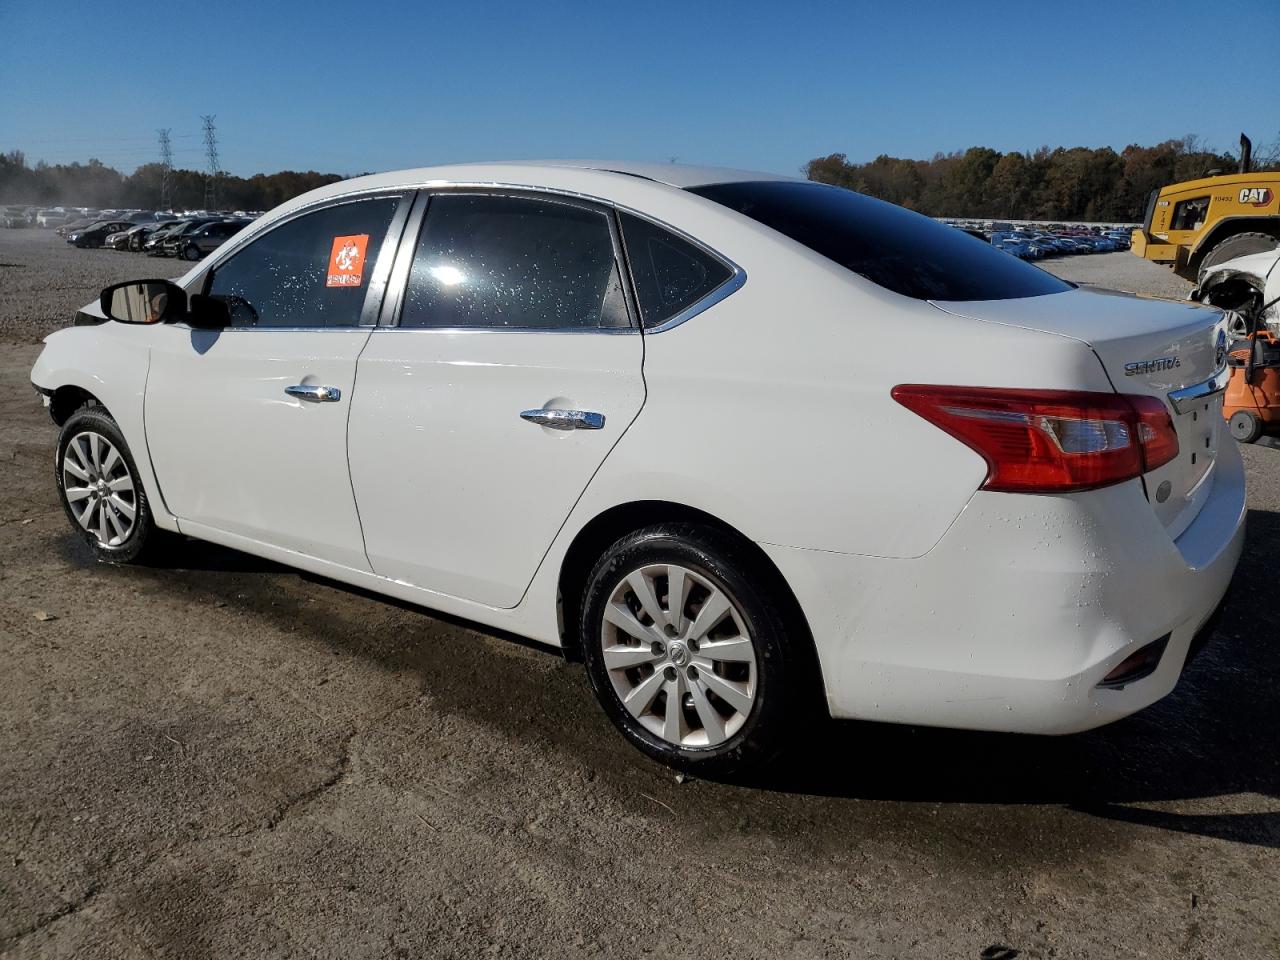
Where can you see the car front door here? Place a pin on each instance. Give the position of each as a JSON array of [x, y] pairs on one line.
[[247, 425], [482, 414]]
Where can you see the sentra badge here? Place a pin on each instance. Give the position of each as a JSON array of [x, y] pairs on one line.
[[1151, 366]]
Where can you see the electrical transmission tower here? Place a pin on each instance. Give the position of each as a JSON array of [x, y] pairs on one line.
[[166, 167], [211, 158]]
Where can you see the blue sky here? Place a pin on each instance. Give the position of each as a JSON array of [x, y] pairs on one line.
[[355, 86]]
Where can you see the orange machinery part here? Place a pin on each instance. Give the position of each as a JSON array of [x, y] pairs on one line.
[[1260, 394]]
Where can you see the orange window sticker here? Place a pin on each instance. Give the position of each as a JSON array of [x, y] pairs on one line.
[[346, 261]]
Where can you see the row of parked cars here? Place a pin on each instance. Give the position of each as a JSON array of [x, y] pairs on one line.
[[160, 233], [189, 237], [1035, 246], [1035, 243], [50, 218]]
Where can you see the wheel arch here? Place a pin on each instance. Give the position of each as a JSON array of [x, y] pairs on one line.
[[607, 527], [68, 398], [1229, 289], [1228, 227]]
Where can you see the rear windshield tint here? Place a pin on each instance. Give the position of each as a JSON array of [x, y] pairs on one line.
[[902, 251]]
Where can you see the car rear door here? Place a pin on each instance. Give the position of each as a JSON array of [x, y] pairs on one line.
[[247, 425], [499, 381]]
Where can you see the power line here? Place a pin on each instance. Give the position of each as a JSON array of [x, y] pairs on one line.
[[211, 156], [57, 140]]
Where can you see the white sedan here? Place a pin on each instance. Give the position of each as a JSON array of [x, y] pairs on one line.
[[753, 448]]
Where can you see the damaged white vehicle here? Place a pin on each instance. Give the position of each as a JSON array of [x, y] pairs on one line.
[[1248, 285]]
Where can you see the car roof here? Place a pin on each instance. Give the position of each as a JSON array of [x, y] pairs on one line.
[[672, 174], [557, 174]]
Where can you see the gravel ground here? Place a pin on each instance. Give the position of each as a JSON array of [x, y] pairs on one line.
[[1121, 271], [222, 757]]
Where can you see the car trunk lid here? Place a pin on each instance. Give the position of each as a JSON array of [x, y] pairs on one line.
[[1160, 348]]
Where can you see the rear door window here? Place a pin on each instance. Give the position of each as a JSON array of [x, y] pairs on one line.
[[670, 273], [514, 263], [891, 246]]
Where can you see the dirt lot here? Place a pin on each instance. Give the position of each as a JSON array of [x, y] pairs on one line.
[[222, 757]]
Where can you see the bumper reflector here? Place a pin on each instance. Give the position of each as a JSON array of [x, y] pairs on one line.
[[1137, 666]]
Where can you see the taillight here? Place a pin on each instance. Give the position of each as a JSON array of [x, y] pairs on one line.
[[1050, 441]]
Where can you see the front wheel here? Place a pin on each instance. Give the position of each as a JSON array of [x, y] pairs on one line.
[[100, 490], [690, 652], [190, 252]]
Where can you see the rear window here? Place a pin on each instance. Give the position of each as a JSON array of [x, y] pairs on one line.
[[902, 251]]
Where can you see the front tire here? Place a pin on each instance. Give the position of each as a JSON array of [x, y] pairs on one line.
[[1238, 245], [190, 252], [100, 490], [690, 651]]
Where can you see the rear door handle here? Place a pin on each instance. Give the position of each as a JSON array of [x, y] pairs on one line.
[[564, 419], [313, 394]]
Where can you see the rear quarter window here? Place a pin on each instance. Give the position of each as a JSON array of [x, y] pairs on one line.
[[889, 245], [670, 273]]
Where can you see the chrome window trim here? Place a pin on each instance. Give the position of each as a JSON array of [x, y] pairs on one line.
[[413, 231], [182, 325], [1203, 390], [729, 287]]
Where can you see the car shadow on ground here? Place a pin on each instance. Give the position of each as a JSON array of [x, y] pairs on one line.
[[1212, 738]]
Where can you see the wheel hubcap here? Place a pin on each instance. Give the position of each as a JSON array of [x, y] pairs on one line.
[[679, 655], [99, 488]]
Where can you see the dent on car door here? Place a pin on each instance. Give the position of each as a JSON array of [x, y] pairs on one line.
[[482, 416], [247, 425]]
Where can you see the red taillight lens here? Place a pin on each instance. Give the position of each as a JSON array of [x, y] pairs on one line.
[[1050, 441], [1156, 435]]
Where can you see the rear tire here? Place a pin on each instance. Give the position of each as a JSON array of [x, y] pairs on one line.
[[100, 489], [735, 668], [1238, 245], [1245, 427]]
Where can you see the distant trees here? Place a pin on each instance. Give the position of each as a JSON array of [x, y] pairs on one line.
[[1063, 183], [93, 184]]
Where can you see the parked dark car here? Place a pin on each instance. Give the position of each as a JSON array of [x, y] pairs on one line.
[[78, 223], [153, 243], [206, 239], [171, 244], [136, 236], [94, 234]]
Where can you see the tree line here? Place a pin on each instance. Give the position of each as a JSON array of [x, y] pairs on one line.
[[1063, 183], [94, 184]]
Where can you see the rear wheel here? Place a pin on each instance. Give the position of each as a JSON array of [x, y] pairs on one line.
[[1245, 426], [1237, 246], [690, 652], [100, 490]]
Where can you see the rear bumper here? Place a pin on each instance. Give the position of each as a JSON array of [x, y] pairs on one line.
[[1024, 606]]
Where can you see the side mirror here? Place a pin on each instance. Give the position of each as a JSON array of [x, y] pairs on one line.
[[144, 301]]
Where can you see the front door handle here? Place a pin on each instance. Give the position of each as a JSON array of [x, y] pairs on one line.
[[314, 394], [564, 419]]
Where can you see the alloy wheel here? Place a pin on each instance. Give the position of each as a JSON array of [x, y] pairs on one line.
[[99, 488], [679, 655]]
